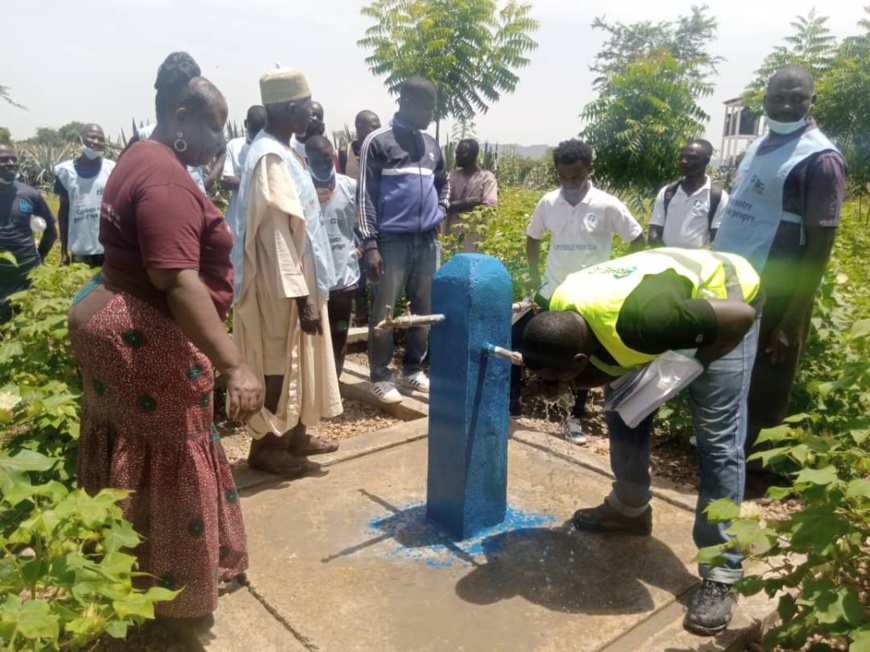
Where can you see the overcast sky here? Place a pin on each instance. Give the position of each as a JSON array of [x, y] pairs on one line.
[[96, 60]]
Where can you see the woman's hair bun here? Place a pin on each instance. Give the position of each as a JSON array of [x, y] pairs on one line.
[[178, 69]]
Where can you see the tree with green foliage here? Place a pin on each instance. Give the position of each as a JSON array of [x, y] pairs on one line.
[[651, 76], [71, 131], [5, 135], [811, 45], [470, 49], [845, 117], [66, 134], [685, 39]]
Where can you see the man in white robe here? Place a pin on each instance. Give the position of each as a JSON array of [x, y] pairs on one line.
[[280, 321]]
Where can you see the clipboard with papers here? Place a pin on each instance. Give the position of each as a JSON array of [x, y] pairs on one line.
[[640, 392]]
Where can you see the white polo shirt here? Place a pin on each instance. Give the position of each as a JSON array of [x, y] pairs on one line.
[[687, 224], [581, 235]]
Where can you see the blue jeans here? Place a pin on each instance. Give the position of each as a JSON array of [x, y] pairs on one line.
[[719, 412], [410, 261]]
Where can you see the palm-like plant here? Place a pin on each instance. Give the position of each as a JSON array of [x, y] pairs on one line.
[[37, 162], [468, 48], [6, 97]]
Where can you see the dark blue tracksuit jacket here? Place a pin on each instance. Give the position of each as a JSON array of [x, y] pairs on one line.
[[402, 183]]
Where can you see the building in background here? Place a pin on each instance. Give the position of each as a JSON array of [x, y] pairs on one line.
[[741, 128]]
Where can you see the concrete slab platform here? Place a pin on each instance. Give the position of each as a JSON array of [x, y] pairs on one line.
[[359, 446], [354, 384], [749, 620], [242, 619], [357, 334], [348, 562]]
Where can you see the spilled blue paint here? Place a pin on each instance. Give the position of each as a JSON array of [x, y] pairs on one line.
[[412, 537]]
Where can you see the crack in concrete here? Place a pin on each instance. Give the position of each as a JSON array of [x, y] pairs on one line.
[[306, 642]]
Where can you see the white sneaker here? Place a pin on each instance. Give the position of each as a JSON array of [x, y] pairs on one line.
[[572, 431], [386, 392], [417, 381]]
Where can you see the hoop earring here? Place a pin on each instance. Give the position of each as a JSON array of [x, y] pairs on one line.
[[180, 144]]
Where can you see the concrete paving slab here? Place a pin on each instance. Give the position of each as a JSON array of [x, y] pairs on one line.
[[359, 446], [354, 384], [243, 623], [357, 334], [661, 487], [751, 618], [349, 563]]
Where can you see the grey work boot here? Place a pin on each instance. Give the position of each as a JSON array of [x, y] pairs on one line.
[[710, 610]]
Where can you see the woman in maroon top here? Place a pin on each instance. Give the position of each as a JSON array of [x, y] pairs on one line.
[[146, 332]]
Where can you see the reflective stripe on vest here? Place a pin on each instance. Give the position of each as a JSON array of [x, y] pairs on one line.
[[598, 292]]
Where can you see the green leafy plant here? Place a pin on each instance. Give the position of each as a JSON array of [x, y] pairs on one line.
[[502, 233], [818, 559], [651, 77], [811, 44], [39, 397], [470, 49], [65, 578]]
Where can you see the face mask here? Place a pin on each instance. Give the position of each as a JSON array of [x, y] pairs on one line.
[[784, 128], [573, 195], [320, 179], [90, 153]]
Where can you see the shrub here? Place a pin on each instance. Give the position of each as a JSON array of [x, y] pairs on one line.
[[821, 553], [502, 233], [64, 576], [39, 398]]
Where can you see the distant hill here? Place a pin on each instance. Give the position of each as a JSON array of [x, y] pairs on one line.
[[527, 151]]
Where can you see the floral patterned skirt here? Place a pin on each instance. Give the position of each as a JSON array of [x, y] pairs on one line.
[[147, 426]]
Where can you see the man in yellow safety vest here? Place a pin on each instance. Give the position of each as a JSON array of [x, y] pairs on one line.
[[622, 314]]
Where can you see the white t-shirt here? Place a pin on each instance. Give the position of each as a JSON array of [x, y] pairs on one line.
[[581, 235], [687, 224], [235, 158]]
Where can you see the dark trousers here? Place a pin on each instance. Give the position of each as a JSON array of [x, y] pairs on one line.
[[361, 294], [770, 389], [580, 395], [339, 308], [91, 260]]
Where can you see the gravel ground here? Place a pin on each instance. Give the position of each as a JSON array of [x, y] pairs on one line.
[[357, 418]]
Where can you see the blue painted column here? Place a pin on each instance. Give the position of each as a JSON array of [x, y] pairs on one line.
[[468, 399]]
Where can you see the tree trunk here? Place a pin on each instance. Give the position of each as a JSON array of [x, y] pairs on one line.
[[438, 131]]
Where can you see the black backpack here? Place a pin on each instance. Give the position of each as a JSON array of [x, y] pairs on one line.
[[715, 199]]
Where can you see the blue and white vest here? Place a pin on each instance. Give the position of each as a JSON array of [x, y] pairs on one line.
[[754, 211], [85, 200], [316, 241], [339, 214]]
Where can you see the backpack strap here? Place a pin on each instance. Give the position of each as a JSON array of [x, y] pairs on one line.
[[715, 200], [342, 159], [670, 191]]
